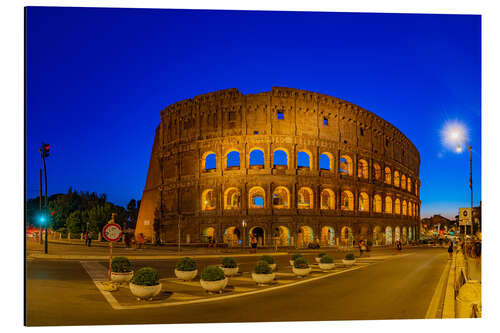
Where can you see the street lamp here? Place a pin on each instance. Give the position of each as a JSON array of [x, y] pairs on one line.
[[455, 136]]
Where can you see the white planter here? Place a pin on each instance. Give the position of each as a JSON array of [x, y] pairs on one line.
[[230, 271], [326, 266], [214, 286], [348, 262], [185, 275], [317, 259], [273, 266], [145, 291], [263, 278], [301, 271], [122, 277]]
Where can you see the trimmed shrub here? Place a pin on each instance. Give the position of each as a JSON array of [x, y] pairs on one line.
[[212, 273], [321, 254], [268, 259], [326, 259], [185, 264], [296, 256], [229, 262], [349, 256], [262, 267], [300, 262], [146, 276], [120, 265]]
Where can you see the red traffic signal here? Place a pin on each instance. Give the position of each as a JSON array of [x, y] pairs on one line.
[[52, 214], [45, 149]]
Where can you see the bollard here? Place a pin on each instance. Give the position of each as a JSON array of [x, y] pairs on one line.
[[469, 294], [99, 237]]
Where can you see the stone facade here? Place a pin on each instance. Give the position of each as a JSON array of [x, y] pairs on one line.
[[368, 170]]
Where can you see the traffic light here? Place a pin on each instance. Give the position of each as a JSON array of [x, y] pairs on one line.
[[45, 149]]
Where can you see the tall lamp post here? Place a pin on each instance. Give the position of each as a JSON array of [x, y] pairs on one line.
[[459, 149]]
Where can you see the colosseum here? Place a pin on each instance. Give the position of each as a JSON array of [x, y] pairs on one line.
[[289, 166]]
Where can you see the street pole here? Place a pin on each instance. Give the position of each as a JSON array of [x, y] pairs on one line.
[[471, 202], [179, 235], [41, 194], [46, 208]]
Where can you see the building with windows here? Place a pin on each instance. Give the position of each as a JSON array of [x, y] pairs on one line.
[[288, 166]]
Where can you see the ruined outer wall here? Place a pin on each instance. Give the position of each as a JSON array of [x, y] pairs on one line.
[[227, 120]]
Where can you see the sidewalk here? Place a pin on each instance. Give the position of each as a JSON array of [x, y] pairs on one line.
[[474, 268]]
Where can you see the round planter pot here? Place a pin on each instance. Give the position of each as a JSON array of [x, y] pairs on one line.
[[122, 277], [317, 259], [301, 271], [291, 262], [326, 266], [348, 262], [273, 266], [185, 275], [145, 291], [230, 271], [214, 286], [263, 278]]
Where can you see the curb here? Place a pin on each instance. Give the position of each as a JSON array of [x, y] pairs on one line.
[[449, 297]]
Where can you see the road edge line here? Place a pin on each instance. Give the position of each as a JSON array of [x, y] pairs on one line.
[[438, 293]]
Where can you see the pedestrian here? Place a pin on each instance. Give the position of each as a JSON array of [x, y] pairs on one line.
[[90, 234], [450, 250], [127, 240], [360, 245], [253, 242], [209, 241], [140, 240], [477, 249], [86, 238], [399, 246]]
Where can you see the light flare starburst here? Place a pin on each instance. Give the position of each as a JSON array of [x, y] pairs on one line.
[[454, 136]]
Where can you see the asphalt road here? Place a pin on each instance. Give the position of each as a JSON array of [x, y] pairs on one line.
[[61, 293]]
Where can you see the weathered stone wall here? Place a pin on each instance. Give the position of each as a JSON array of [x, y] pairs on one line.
[[226, 120]]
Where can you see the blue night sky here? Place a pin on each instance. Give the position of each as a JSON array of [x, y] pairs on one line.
[[97, 80]]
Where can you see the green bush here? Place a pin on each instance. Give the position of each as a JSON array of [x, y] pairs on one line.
[[296, 256], [268, 259], [262, 267], [120, 265], [229, 262], [349, 256], [300, 262], [326, 259], [212, 273], [146, 276], [185, 264], [321, 254]]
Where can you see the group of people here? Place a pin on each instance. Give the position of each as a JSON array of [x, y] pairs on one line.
[[471, 247]]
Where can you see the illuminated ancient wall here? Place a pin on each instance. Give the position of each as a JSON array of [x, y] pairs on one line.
[[361, 179]]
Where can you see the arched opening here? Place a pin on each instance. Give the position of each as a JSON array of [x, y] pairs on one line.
[[208, 234], [346, 165], [377, 203], [209, 162], [347, 200], [303, 160], [377, 171], [362, 169], [346, 237], [326, 161], [305, 236], [410, 208], [409, 184], [397, 206], [284, 236], [305, 198], [327, 199], [327, 236], [233, 160], [258, 233], [405, 207], [232, 236], [208, 200], [397, 233], [403, 182], [257, 197], [232, 198], [388, 205], [388, 235], [387, 171], [281, 197], [378, 236], [404, 235], [396, 178], [364, 203], [410, 233], [280, 159], [256, 160]]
